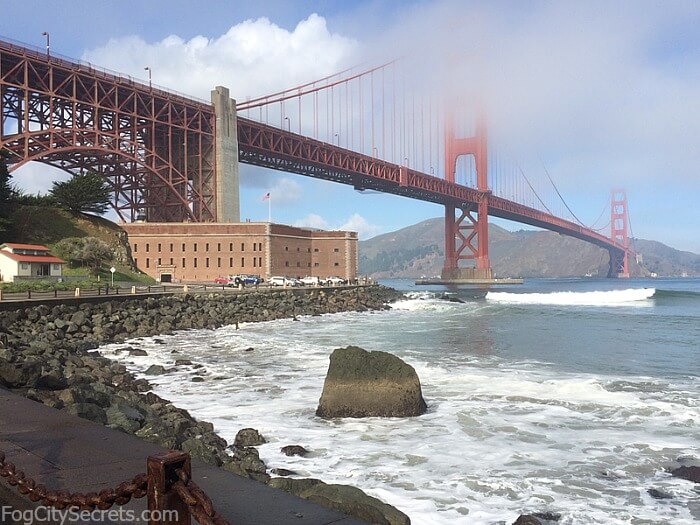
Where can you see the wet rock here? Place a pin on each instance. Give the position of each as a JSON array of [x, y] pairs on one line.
[[354, 502], [89, 411], [365, 384], [691, 473], [659, 494], [236, 468], [249, 459], [139, 352], [18, 375], [294, 486], [527, 519], [52, 381], [547, 516], [248, 437], [282, 472], [155, 370], [201, 451], [124, 418], [294, 450], [182, 362], [197, 379], [249, 349]]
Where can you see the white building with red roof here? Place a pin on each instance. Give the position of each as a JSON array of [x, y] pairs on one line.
[[29, 261]]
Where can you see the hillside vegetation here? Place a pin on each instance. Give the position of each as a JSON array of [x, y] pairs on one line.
[[46, 225]]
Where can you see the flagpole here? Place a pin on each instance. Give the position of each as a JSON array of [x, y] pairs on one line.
[[269, 208]]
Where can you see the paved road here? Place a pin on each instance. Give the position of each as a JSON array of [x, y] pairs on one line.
[[65, 452]]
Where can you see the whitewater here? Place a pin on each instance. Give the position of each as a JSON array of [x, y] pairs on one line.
[[565, 397]]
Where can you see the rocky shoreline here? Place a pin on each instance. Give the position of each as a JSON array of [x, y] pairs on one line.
[[47, 354]]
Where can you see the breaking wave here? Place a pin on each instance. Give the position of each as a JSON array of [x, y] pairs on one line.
[[632, 296]]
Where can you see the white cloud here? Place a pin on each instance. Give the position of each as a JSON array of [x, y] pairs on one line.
[[253, 58], [355, 223], [37, 177], [312, 220], [285, 192]]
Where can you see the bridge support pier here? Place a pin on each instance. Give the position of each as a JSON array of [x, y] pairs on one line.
[[619, 266], [467, 236], [227, 176]]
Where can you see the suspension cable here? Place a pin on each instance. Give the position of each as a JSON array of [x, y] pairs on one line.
[[560, 195], [533, 189]]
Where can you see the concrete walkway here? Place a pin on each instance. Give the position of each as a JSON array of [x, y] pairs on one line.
[[65, 452]]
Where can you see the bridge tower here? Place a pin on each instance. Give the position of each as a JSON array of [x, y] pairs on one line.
[[228, 207], [467, 236], [618, 233]]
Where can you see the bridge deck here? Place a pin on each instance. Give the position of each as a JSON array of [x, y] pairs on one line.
[[68, 453]]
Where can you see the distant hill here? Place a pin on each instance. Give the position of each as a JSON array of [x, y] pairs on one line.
[[418, 250]]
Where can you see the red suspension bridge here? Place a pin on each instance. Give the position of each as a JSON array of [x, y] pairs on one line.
[[173, 158]]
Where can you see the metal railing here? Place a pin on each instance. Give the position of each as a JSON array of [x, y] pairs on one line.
[[101, 72], [167, 483], [166, 289]]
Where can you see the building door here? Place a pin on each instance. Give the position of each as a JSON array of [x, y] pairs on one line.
[[43, 270], [166, 278]]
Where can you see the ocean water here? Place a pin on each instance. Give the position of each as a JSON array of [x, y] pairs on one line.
[[568, 396]]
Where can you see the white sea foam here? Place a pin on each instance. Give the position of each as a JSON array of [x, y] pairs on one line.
[[632, 296], [500, 437]]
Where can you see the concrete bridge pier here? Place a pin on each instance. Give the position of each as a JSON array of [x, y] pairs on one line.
[[226, 148]]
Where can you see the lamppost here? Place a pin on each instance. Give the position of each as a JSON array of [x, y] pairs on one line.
[[48, 43], [336, 136], [150, 83], [289, 124]]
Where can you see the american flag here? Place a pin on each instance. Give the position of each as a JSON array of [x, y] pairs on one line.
[[266, 197]]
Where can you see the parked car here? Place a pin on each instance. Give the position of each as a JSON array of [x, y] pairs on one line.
[[251, 279], [334, 281], [229, 280], [277, 281], [293, 281], [310, 281]]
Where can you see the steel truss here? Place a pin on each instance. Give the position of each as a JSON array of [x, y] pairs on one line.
[[155, 149], [263, 145]]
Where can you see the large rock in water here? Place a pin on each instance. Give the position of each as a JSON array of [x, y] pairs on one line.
[[365, 384]]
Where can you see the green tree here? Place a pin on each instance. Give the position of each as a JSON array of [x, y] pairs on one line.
[[89, 252], [6, 192], [83, 192]]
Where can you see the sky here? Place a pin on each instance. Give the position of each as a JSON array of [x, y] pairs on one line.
[[602, 95]]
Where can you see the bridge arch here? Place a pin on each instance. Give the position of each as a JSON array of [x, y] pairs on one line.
[[138, 185]]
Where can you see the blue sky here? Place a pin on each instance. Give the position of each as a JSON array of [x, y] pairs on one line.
[[603, 94]]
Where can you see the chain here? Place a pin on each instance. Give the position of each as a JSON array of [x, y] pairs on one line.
[[121, 495], [194, 497]]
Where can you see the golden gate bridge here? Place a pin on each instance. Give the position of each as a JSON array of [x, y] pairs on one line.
[[172, 158]]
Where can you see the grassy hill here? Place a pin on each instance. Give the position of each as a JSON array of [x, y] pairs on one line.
[[45, 225], [418, 250]]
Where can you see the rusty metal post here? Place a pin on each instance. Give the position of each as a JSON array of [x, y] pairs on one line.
[[161, 477]]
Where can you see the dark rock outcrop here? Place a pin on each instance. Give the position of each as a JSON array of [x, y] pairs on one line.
[[659, 494], [294, 450], [690, 473], [365, 384], [527, 519], [343, 498], [248, 437]]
